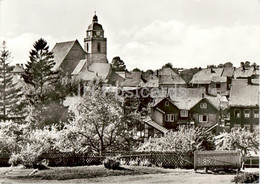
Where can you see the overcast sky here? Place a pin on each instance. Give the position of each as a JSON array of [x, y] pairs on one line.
[[144, 33]]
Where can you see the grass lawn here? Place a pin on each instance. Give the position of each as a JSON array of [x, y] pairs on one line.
[[86, 172]]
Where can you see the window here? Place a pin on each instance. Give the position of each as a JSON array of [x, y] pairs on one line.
[[203, 105], [87, 46], [256, 114], [237, 113], [166, 103], [218, 85], [184, 113], [98, 47], [247, 113], [203, 118], [169, 117]]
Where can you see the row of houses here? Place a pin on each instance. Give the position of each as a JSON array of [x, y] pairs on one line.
[[215, 98]]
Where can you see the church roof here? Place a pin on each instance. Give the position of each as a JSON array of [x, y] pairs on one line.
[[60, 52], [88, 73], [79, 67], [95, 26]]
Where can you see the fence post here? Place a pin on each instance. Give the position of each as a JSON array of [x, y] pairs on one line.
[[195, 160]]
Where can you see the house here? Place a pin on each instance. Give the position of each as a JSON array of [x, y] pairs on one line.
[[116, 78], [168, 78], [133, 79], [244, 104], [186, 106], [246, 72], [206, 112], [215, 80]]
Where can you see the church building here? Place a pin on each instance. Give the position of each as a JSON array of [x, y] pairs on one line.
[[88, 63]]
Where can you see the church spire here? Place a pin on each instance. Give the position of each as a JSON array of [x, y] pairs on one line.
[[95, 18]]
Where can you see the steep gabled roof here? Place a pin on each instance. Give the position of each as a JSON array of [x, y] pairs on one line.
[[243, 94], [248, 72], [155, 125], [79, 67], [228, 72], [133, 79], [88, 73], [186, 98], [220, 79], [60, 51], [204, 76], [153, 82], [166, 71], [172, 79]]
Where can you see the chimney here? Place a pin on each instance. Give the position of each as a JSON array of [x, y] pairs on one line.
[[249, 80], [203, 95], [243, 67]]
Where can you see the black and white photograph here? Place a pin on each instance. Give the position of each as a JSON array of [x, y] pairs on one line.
[[129, 91]]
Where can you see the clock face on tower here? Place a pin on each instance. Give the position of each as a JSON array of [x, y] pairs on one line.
[[98, 33]]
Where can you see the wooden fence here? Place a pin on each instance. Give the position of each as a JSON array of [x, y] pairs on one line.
[[163, 159], [252, 161]]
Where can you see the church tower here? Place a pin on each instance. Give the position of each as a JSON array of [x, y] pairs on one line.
[[95, 44]]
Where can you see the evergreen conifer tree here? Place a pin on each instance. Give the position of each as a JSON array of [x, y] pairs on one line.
[[39, 74], [11, 102]]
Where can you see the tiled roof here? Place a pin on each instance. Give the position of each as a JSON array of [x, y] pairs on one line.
[[170, 79], [155, 125], [79, 67], [248, 72], [220, 79], [228, 71], [204, 76], [153, 82], [88, 73], [243, 95], [133, 79], [186, 98], [166, 71], [60, 51]]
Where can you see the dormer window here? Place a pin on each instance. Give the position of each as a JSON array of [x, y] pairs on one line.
[[203, 105], [166, 103]]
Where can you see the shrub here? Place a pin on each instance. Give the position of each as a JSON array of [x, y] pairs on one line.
[[145, 163], [112, 163], [246, 178], [186, 140], [123, 162], [134, 162]]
